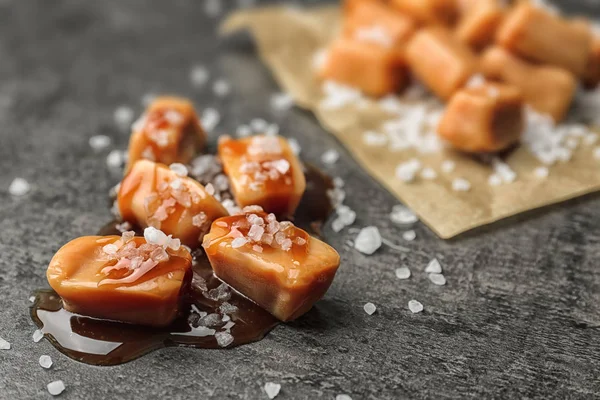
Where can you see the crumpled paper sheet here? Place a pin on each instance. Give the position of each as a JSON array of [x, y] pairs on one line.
[[287, 39]]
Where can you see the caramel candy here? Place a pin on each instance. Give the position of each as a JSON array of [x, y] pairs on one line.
[[168, 132], [591, 77], [374, 69], [372, 19], [127, 279], [440, 60], [478, 26], [263, 171], [539, 36], [276, 265], [548, 89], [154, 195], [486, 118], [428, 11]]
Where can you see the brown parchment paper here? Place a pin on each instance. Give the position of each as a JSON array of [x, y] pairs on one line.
[[287, 39]]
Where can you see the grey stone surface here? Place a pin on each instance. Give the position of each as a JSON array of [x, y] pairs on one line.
[[516, 319]]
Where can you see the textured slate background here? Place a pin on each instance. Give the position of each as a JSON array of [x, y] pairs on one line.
[[516, 319]]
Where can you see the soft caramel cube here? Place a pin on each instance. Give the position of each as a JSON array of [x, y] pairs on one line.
[[374, 69], [428, 11], [478, 26], [169, 132], [276, 265], [377, 20], [154, 195], [440, 60], [486, 118], [123, 279], [539, 36], [548, 89], [263, 171]]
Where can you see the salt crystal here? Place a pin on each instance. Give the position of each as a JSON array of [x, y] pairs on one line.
[[123, 117], [375, 34], [176, 184], [371, 138], [199, 75], [210, 320], [155, 236], [226, 318], [148, 98], [475, 81], [243, 131], [415, 307], [224, 339], [402, 215], [227, 327], [295, 146], [99, 142], [448, 166], [330, 157], [428, 173], [37, 335], [402, 273], [115, 159], [281, 101], [221, 88], [272, 130], [4, 345], [213, 8], [282, 166], [461, 185], [437, 279], [227, 308], [31, 299], [55, 388], [210, 119], [407, 171], [238, 242], [179, 169], [368, 240], [434, 267], [343, 397], [541, 172], [210, 189], [409, 235], [494, 180], [110, 249], [19, 187], [272, 389], [45, 361], [590, 138], [503, 170], [370, 308], [258, 125]]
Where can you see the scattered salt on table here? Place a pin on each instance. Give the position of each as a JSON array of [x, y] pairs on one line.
[[210, 119], [494, 180], [272, 389], [99, 142], [415, 307], [259, 125], [221, 88], [370, 308], [434, 267], [55, 388], [213, 8], [19, 187], [437, 279], [541, 172], [330, 157], [448, 166], [199, 75], [115, 159], [123, 117], [402, 215], [409, 236], [368, 240], [402, 273], [179, 169], [243, 131], [45, 361], [37, 335], [343, 397], [296, 149], [281, 101], [428, 173], [371, 138], [407, 171], [4, 344], [461, 185], [31, 299]]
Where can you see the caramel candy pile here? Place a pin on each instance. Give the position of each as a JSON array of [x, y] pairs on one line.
[[535, 54], [141, 280]]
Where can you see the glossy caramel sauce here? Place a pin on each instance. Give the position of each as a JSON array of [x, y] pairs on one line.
[[101, 342]]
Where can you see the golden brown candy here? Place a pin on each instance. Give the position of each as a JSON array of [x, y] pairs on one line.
[[263, 171], [441, 61], [154, 195], [549, 90], [478, 26], [275, 264], [486, 118], [168, 132], [428, 11], [123, 278]]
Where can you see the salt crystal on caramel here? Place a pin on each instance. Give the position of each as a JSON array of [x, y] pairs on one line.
[[275, 264], [155, 195], [263, 171], [486, 118], [138, 280], [441, 61], [169, 132]]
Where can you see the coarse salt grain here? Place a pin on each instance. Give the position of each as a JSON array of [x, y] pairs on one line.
[[415, 307], [272, 130], [428, 173], [402, 273], [179, 169], [370, 308], [4, 344], [368, 240], [123, 117], [437, 279], [243, 131], [258, 125], [221, 88], [213, 8], [407, 171], [281, 101], [461, 185], [19, 187], [37, 335], [448, 166], [55, 388], [99, 142], [295, 146], [337, 95], [199, 75], [371, 138], [224, 339], [238, 242], [272, 389], [494, 180], [343, 397], [541, 172], [434, 267], [31, 299], [409, 235], [210, 119], [330, 157], [115, 159], [45, 361], [402, 215]]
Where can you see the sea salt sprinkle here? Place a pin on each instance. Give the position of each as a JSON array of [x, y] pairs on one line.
[[210, 119], [415, 307], [221, 88], [448, 166], [45, 361], [213, 8], [272, 389], [19, 187], [100, 142], [402, 215], [337, 96], [115, 159], [368, 240], [371, 138], [407, 171], [4, 344], [370, 308], [437, 279], [281, 101], [330, 157], [123, 117], [179, 169], [409, 235], [461, 185], [403, 273], [37, 335], [199, 75], [434, 267], [55, 388], [541, 172], [343, 397]]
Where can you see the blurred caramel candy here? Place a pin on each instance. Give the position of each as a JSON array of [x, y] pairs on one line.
[[548, 89], [263, 171], [276, 265], [154, 195], [537, 35], [374, 69], [441, 61], [428, 11], [591, 77], [127, 279], [168, 132], [478, 26], [486, 118]]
